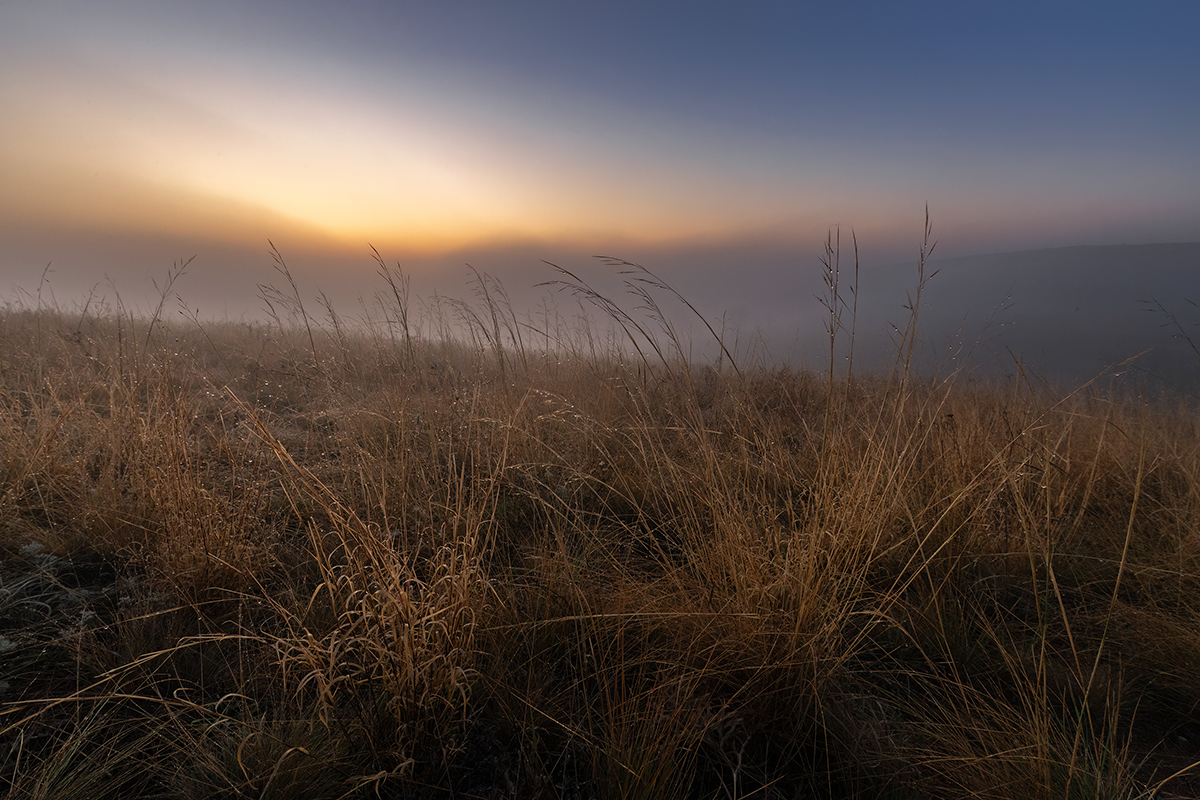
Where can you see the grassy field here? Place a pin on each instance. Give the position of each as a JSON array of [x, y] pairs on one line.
[[321, 558]]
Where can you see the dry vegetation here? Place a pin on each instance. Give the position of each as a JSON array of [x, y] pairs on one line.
[[317, 559]]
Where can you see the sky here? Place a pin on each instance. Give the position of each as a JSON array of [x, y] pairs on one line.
[[719, 141]]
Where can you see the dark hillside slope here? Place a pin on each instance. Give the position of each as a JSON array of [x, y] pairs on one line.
[[1067, 313]]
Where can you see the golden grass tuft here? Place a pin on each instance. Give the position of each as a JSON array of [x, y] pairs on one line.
[[378, 557]]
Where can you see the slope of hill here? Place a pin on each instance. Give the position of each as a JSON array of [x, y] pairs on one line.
[[1066, 314]]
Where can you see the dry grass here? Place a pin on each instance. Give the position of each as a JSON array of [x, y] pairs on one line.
[[330, 558]]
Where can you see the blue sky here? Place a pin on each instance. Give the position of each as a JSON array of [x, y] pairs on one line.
[[437, 129]]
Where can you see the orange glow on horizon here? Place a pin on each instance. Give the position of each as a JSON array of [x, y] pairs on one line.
[[83, 196], [109, 154]]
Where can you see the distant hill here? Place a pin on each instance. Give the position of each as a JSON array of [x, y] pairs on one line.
[[1066, 313]]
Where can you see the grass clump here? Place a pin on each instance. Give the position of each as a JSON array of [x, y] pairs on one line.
[[312, 559]]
